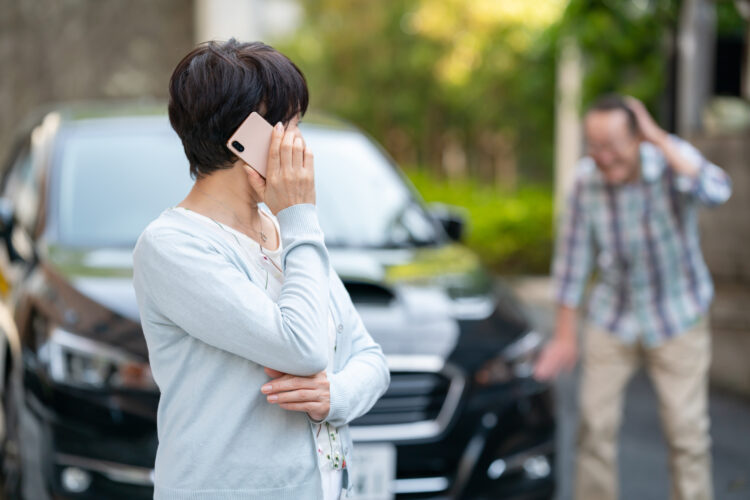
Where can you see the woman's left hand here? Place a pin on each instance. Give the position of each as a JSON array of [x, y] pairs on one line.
[[309, 394]]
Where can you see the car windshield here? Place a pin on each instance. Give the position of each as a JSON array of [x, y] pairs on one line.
[[362, 200], [113, 179]]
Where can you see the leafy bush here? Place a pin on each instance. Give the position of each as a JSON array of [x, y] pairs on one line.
[[419, 75], [511, 231]]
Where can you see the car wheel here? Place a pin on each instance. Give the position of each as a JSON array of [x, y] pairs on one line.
[[10, 464]]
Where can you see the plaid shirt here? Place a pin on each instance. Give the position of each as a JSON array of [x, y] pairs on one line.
[[652, 282]]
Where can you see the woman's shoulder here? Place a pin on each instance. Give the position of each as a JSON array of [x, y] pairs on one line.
[[173, 229], [165, 225]]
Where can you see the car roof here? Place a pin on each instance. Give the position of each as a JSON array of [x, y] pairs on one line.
[[148, 111]]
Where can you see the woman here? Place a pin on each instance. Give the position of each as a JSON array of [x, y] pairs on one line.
[[256, 347]]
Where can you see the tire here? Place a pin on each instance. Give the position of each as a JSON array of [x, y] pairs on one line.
[[10, 463]]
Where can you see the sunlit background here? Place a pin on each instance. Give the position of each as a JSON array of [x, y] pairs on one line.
[[479, 101]]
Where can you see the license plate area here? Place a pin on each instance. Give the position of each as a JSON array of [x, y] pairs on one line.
[[374, 471]]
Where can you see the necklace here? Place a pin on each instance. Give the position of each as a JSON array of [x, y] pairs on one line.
[[244, 250], [260, 232], [260, 248]]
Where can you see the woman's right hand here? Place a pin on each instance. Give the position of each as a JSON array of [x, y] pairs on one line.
[[290, 177]]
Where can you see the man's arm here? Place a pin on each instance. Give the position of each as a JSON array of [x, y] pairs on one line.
[[571, 268], [698, 177], [561, 353]]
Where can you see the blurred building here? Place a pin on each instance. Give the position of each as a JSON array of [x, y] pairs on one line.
[[88, 49], [713, 112], [245, 19], [52, 51]]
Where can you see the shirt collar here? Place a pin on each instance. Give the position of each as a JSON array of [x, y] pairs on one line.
[[652, 162]]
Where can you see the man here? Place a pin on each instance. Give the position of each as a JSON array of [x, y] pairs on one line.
[[633, 213]]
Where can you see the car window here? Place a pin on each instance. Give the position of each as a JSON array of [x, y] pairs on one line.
[[362, 200], [112, 181]]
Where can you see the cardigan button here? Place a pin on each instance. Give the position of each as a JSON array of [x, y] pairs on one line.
[[340, 328]]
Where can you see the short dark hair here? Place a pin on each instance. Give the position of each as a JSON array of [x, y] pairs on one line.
[[215, 87], [614, 102]]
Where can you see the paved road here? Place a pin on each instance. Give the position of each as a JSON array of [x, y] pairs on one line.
[[643, 457]]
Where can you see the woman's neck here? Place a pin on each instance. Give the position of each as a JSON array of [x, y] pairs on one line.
[[226, 196]]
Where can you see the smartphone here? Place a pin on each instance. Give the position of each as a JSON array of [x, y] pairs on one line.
[[251, 142]]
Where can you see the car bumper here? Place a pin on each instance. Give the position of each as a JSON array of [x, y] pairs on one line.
[[499, 445], [76, 446]]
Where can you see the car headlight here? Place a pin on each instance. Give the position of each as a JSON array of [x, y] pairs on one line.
[[515, 361], [79, 361]]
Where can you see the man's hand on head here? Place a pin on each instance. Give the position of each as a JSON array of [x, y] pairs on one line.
[[648, 128], [651, 132]]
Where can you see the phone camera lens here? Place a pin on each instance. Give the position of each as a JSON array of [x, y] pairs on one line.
[[239, 147]]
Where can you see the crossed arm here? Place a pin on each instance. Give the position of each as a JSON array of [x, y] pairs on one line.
[[342, 396]]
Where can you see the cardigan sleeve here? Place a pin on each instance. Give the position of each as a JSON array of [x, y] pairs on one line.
[[365, 375], [189, 283]]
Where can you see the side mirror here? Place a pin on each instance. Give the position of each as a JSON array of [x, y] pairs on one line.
[[451, 218], [7, 222], [7, 214]]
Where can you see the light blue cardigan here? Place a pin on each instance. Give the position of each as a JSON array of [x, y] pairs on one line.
[[210, 331]]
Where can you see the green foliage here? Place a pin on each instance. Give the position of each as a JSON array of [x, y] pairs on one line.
[[625, 45], [480, 75], [416, 73], [729, 22], [511, 231]]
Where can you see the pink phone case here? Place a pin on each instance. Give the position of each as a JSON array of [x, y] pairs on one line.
[[251, 142]]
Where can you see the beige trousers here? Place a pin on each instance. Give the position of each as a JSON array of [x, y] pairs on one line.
[[679, 372]]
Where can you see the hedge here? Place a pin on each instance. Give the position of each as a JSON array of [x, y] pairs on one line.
[[512, 231]]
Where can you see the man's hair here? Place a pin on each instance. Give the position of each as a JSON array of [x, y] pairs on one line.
[[614, 102], [217, 85]]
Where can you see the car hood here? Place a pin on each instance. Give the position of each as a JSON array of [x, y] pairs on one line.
[[411, 300]]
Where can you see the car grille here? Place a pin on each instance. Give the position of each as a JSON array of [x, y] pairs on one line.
[[411, 397]]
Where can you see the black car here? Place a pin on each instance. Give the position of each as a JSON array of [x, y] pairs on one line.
[[462, 417]]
